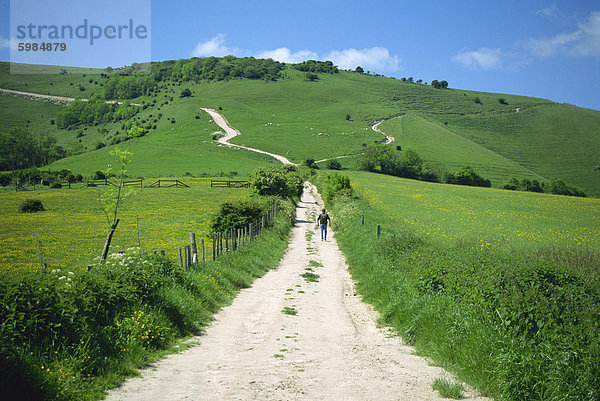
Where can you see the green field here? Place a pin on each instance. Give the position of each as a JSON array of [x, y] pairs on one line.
[[451, 214], [71, 232]]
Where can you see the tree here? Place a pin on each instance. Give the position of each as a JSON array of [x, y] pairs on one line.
[[467, 176], [311, 76], [269, 181], [310, 163], [111, 200], [439, 84], [333, 165], [185, 93], [359, 69]]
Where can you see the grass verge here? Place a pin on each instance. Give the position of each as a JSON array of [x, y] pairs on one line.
[[448, 389], [515, 324]]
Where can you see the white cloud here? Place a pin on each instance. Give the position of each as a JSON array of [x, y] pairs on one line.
[[285, 55], [550, 11], [11, 44], [4, 43], [484, 58], [376, 59], [585, 41], [214, 47]]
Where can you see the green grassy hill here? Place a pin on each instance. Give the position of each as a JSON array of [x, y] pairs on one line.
[[521, 136]]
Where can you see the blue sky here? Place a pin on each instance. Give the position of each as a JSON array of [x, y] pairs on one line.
[[547, 49]]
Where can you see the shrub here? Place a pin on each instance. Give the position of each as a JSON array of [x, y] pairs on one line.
[[311, 76], [467, 176], [559, 187], [56, 185], [32, 206], [310, 163], [274, 182], [236, 214], [336, 185], [334, 165], [99, 175]]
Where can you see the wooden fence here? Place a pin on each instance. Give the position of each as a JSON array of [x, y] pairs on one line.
[[229, 184], [224, 242], [168, 184]]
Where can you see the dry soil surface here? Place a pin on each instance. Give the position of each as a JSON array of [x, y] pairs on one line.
[[330, 349], [231, 133]]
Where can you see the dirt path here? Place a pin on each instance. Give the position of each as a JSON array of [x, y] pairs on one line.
[[330, 350], [51, 98], [388, 138], [231, 133]]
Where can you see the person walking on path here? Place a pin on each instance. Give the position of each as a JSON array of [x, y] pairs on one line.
[[322, 220]]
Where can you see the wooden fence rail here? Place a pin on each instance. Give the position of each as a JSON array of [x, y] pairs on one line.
[[134, 183], [226, 242], [229, 184], [168, 184]]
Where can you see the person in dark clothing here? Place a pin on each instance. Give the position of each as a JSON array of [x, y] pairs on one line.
[[322, 220]]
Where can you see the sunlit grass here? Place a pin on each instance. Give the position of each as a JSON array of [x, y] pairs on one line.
[[487, 216], [72, 230]]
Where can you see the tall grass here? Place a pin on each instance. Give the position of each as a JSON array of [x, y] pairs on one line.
[[71, 335], [514, 325]]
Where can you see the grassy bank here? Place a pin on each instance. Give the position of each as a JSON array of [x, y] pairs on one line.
[[516, 322], [70, 335]]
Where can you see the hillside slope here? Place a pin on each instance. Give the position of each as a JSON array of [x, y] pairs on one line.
[[501, 135]]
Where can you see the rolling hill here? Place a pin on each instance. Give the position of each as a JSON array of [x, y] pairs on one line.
[[500, 135]]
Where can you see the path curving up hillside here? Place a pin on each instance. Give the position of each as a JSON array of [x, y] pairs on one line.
[[388, 138], [330, 350], [231, 133]]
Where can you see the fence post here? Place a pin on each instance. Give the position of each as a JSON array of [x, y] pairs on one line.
[[214, 248], [162, 252], [188, 256], [363, 220], [378, 230], [180, 259], [202, 249], [194, 248]]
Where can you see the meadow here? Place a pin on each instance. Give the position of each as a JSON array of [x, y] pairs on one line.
[[449, 214], [500, 288], [71, 232]]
